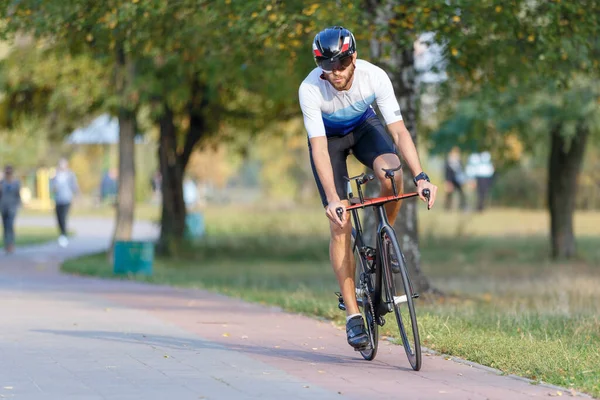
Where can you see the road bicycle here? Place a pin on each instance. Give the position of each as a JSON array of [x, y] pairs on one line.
[[379, 290]]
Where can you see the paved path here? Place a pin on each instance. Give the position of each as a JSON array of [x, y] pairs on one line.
[[66, 337]]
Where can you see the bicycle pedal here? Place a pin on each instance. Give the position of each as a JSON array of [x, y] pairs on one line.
[[415, 295], [364, 348]]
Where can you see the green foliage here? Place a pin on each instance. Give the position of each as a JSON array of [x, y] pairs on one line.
[[530, 110], [520, 187]]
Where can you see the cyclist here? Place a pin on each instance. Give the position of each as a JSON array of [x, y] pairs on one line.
[[336, 100]]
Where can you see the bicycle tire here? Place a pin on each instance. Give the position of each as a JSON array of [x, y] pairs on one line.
[[409, 333], [369, 319]]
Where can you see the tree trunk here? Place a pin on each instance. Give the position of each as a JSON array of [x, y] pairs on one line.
[[399, 62], [173, 164], [173, 206], [127, 130], [566, 157]]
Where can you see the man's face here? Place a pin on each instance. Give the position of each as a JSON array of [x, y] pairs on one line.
[[341, 77]]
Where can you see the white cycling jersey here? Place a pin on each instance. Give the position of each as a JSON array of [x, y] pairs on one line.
[[329, 112]]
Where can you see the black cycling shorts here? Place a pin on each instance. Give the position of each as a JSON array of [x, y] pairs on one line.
[[367, 142]]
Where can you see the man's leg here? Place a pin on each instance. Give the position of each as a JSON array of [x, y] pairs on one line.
[[340, 250], [342, 262], [389, 161], [5, 228], [60, 218], [67, 207], [10, 233]]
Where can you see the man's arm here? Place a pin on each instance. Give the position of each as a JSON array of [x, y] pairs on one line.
[[313, 122], [322, 161], [408, 151], [405, 144]]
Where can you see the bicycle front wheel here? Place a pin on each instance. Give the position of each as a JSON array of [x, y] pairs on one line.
[[399, 297]]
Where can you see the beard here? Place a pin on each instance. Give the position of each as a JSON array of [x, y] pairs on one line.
[[343, 80]]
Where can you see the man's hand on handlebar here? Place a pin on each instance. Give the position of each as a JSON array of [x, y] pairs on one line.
[[422, 187], [333, 213]]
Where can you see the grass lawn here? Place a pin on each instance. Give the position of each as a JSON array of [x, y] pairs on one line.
[[26, 235], [506, 304]]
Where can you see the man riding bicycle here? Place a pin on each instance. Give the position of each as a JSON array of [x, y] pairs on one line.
[[336, 100]]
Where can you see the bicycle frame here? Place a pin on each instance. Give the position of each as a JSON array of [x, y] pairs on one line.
[[376, 271], [382, 225]]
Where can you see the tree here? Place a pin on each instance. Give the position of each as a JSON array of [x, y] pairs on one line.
[[104, 31], [560, 122], [555, 44]]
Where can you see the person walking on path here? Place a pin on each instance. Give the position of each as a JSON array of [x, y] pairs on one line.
[[64, 186], [10, 201], [455, 178]]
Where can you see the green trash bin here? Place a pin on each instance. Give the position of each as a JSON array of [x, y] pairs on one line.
[[133, 257], [194, 226]]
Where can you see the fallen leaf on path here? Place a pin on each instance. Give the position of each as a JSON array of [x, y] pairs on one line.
[[8, 387], [315, 348], [166, 356], [277, 347], [557, 394], [321, 371], [226, 334], [306, 386]]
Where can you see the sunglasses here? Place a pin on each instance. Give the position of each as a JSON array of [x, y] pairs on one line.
[[330, 65]]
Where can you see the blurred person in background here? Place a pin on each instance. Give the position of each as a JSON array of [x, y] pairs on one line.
[[455, 179], [480, 168], [10, 201], [65, 188], [109, 186]]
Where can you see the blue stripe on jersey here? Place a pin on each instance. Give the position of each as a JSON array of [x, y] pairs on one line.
[[352, 111], [344, 127]]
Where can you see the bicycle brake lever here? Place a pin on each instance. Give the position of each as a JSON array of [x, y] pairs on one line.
[[427, 195]]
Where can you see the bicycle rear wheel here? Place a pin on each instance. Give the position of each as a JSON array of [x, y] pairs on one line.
[[400, 298], [365, 281]]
